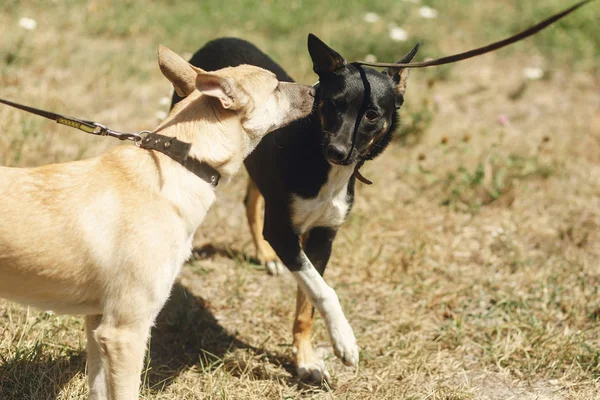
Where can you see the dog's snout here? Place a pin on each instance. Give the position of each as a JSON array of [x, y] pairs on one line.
[[300, 97], [336, 153]]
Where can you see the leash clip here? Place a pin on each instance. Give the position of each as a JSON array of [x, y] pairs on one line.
[[100, 130], [103, 130]]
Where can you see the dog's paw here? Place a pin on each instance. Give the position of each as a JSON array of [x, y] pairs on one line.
[[314, 373], [344, 343], [275, 267]]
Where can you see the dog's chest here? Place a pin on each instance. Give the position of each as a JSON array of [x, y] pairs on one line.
[[329, 208]]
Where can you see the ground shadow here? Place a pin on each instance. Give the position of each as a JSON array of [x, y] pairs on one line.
[[36, 376], [187, 334], [210, 250]]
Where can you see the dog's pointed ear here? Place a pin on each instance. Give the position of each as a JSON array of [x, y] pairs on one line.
[[176, 70], [231, 96], [324, 58], [400, 75]]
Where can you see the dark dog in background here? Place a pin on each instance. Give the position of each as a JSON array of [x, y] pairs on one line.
[[304, 177]]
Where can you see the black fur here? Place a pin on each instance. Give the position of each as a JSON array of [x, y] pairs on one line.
[[352, 106]]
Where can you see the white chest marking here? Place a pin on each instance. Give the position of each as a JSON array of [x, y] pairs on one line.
[[330, 206]]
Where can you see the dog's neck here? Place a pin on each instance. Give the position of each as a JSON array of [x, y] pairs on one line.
[[216, 135], [217, 139]]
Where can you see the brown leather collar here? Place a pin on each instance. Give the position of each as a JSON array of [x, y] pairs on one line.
[[179, 151]]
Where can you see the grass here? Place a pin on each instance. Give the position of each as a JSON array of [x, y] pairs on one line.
[[469, 270]]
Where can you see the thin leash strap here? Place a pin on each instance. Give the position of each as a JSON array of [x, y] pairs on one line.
[[86, 126], [362, 111], [174, 148], [90, 127], [485, 49], [363, 107]]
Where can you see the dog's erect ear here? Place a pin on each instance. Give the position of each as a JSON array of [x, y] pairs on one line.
[[231, 96], [176, 70], [324, 58], [400, 75]]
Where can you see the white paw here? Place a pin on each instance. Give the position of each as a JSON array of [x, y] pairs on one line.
[[314, 372], [275, 268], [344, 342]]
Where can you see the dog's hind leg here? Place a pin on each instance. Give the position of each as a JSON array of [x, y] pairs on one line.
[[255, 211], [96, 377], [317, 246], [123, 346]]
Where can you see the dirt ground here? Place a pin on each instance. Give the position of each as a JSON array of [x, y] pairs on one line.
[[468, 270]]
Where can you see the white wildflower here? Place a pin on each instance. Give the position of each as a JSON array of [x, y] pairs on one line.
[[371, 17], [370, 58], [161, 115], [428, 12], [165, 101], [533, 74], [28, 23], [397, 34]]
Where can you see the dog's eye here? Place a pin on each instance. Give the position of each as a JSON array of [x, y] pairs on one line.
[[371, 115]]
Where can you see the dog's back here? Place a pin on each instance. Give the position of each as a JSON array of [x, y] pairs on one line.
[[231, 52]]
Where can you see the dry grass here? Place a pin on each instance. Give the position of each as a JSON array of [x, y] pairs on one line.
[[469, 270]]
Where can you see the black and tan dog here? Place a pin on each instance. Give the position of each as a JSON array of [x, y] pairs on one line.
[[304, 175]]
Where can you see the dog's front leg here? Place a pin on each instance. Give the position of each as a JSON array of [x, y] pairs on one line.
[[287, 245], [317, 245], [325, 300], [96, 376], [123, 346]]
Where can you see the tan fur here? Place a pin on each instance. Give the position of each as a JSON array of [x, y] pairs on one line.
[[175, 69], [106, 237], [305, 358], [255, 212], [401, 87]]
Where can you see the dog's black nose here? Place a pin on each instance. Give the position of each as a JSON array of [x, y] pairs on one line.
[[312, 91], [336, 153]]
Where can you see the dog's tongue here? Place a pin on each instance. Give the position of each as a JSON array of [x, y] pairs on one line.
[[360, 176]]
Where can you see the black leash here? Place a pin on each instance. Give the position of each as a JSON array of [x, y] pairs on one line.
[[90, 127], [170, 146], [363, 107], [459, 57], [481, 50]]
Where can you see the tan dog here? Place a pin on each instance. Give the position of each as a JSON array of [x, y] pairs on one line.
[[106, 237]]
